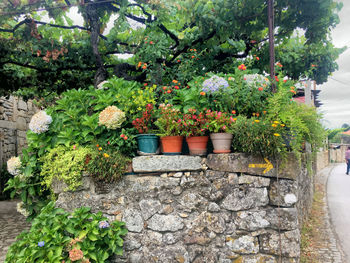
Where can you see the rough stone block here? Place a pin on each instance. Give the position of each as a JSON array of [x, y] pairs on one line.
[[283, 193], [256, 258], [163, 223], [22, 105], [242, 199], [270, 243], [133, 220], [243, 245], [253, 181], [275, 218], [240, 163], [163, 163], [149, 207], [21, 124]]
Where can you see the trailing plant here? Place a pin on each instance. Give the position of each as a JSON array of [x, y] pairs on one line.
[[64, 164], [107, 164], [59, 236]]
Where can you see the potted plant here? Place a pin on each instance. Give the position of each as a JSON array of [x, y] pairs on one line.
[[169, 124], [146, 140], [219, 126], [195, 129]]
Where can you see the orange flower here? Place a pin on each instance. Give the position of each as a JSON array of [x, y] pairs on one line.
[[233, 112], [125, 137], [264, 111], [174, 81], [257, 58], [122, 136], [202, 93], [97, 145], [164, 88], [169, 91], [100, 149], [139, 64], [260, 89], [195, 50], [176, 87], [192, 57], [144, 67], [178, 60]]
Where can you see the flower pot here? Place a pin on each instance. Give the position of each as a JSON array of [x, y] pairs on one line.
[[147, 143], [171, 145], [221, 142], [197, 145]]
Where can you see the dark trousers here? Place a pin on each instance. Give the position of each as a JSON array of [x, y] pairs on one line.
[[348, 166]]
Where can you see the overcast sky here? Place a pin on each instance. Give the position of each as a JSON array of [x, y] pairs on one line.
[[335, 94]]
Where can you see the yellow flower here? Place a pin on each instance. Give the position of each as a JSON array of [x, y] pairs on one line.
[[276, 134], [257, 121], [274, 125], [100, 149], [283, 125], [105, 155], [276, 122]]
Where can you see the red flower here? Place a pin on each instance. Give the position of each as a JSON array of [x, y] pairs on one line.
[[257, 58], [169, 91], [176, 87], [122, 136], [260, 89], [151, 42]]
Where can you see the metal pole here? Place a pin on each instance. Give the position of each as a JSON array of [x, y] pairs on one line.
[[271, 42]]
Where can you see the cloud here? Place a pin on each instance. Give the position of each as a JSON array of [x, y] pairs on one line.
[[335, 94]]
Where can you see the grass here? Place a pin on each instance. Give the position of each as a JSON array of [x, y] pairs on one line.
[[312, 239]]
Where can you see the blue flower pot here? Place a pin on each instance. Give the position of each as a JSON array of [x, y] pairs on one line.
[[148, 143]]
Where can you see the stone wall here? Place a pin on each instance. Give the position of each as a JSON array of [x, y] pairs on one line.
[[322, 159], [15, 115], [337, 152], [214, 209]]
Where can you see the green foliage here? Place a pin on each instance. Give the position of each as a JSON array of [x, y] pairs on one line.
[[107, 164], [334, 136], [302, 122], [179, 38], [61, 232], [169, 121], [258, 136], [64, 164]]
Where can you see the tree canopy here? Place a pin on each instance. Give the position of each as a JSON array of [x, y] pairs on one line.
[[42, 49]]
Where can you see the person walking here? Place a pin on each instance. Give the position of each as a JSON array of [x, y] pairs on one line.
[[347, 159]]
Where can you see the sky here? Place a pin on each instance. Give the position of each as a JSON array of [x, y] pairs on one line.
[[335, 94]]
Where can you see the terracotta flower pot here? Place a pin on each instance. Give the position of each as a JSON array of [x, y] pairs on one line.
[[171, 145], [221, 142], [197, 145]]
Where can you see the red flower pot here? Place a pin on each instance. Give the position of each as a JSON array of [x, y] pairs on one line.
[[197, 145], [171, 145]]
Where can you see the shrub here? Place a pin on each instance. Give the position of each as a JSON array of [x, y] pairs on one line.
[[59, 236], [107, 164], [65, 164]]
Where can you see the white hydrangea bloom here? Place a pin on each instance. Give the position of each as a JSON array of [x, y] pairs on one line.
[[256, 80], [101, 85], [13, 165], [22, 210], [40, 122], [111, 117]]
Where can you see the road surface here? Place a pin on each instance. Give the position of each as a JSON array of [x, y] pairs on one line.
[[338, 195]]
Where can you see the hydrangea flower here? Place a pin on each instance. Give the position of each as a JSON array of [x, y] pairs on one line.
[[40, 122], [214, 83], [22, 210], [76, 254], [41, 244], [103, 224], [256, 80], [13, 165], [111, 117]]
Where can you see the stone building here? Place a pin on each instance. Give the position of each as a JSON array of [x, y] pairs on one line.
[[15, 115]]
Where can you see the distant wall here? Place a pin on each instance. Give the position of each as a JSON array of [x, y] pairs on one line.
[[337, 152], [15, 115]]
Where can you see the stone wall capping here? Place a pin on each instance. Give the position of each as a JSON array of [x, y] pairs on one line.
[[165, 163]]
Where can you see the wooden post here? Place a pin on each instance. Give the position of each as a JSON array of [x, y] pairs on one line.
[[271, 43]]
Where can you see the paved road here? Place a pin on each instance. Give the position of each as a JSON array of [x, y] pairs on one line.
[[338, 195], [11, 224]]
